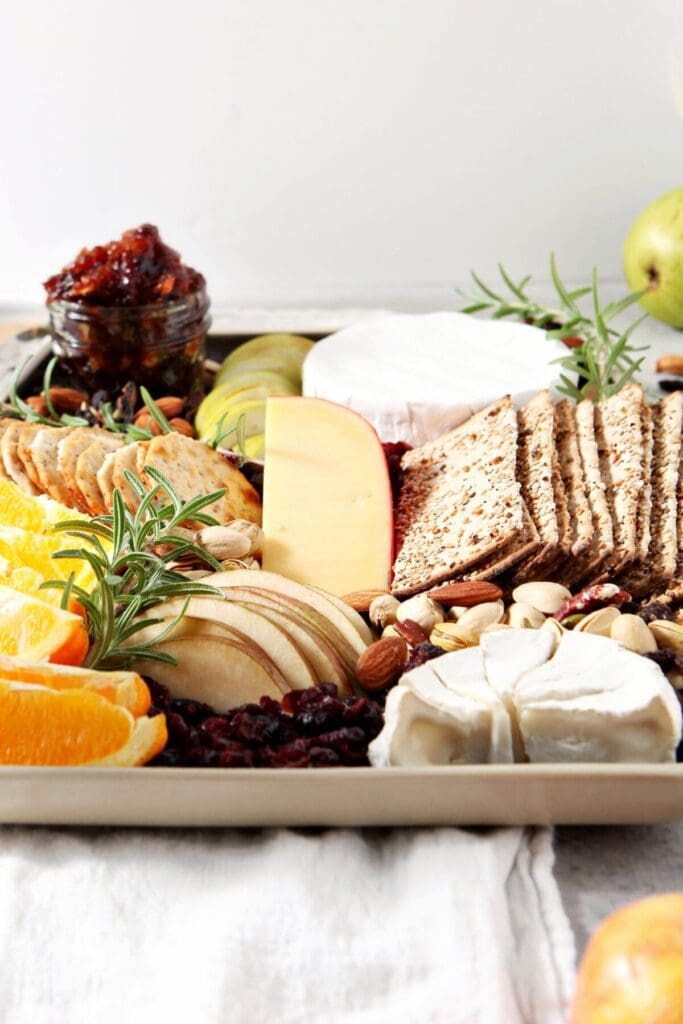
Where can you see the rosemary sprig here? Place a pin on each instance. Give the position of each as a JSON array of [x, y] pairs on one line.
[[17, 408], [239, 429], [602, 358], [130, 556]]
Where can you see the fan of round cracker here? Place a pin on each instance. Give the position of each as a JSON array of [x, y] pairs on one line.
[[105, 479], [44, 448], [14, 467], [87, 464], [27, 435], [193, 468], [126, 458], [70, 448]]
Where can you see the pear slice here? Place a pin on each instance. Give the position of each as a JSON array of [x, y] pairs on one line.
[[325, 661], [320, 628], [221, 672], [252, 628], [318, 600], [351, 614]]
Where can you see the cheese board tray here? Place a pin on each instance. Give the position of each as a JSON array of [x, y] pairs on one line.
[[477, 795], [396, 573]]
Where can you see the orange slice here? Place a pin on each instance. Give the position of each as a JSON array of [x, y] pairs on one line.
[[34, 514], [73, 727], [34, 630], [126, 689]]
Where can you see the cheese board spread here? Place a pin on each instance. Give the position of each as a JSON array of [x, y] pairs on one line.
[[408, 547]]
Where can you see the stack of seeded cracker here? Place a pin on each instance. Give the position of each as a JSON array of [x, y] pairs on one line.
[[575, 493]]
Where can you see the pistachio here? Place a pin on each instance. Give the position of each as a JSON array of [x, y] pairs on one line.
[[675, 678], [422, 610], [241, 563], [455, 611], [383, 610], [546, 597], [554, 627], [250, 530], [632, 632], [522, 615], [599, 622], [450, 636], [668, 635], [495, 627], [390, 630], [476, 619], [223, 542]]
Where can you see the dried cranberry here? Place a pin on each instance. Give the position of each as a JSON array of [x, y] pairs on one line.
[[236, 755], [422, 654], [656, 610]]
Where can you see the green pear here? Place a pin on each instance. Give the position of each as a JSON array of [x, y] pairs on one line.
[[653, 258]]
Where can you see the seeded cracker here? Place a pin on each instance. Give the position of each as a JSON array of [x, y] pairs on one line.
[[460, 501], [5, 422], [619, 432], [571, 470], [536, 423], [193, 468], [660, 564], [87, 465], [14, 467], [644, 511], [44, 449], [601, 544]]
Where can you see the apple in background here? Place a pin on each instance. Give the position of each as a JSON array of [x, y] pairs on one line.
[[653, 258]]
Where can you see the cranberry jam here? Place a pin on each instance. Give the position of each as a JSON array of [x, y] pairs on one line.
[[130, 309]]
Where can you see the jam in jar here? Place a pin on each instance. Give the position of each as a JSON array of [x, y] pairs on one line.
[[130, 310]]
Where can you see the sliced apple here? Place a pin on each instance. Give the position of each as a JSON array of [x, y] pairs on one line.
[[289, 589], [327, 502], [221, 672], [243, 386], [283, 353], [256, 629]]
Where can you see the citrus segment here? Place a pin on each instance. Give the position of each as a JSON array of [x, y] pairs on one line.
[[32, 629], [73, 727], [127, 689]]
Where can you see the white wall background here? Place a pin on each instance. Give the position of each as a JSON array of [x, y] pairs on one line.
[[301, 149]]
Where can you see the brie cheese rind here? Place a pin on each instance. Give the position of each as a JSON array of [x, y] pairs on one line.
[[415, 377], [430, 722], [596, 701], [592, 701]]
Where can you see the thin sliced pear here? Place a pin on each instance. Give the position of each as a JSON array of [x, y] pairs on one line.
[[248, 385], [255, 628], [316, 624], [351, 614], [255, 447], [215, 671], [317, 600], [326, 664]]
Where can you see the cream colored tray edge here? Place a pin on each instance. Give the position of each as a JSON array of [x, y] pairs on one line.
[[463, 795]]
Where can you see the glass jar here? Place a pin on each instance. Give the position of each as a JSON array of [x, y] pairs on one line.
[[160, 346]]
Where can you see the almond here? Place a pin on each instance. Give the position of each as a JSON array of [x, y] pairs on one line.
[[382, 663], [170, 405], [466, 594], [67, 400], [670, 364], [182, 426], [360, 600]]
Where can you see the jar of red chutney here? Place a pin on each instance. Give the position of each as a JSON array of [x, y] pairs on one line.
[[130, 310]]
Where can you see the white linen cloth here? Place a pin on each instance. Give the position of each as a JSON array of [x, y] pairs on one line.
[[282, 927]]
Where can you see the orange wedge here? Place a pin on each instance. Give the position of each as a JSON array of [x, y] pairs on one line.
[[73, 727], [32, 629], [127, 689]]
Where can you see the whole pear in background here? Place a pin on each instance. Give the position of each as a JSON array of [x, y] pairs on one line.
[[653, 258]]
